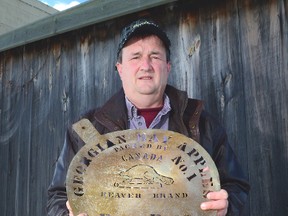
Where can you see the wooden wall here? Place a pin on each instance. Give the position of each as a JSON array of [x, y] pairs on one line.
[[231, 53]]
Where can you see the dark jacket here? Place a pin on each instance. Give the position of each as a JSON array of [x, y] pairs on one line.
[[186, 117]]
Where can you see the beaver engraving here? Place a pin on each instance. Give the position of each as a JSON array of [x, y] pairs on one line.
[[144, 174]]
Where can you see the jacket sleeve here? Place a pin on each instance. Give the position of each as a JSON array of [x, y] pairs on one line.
[[57, 196], [232, 178]]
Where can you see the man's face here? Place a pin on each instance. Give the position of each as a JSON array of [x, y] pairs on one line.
[[144, 69]]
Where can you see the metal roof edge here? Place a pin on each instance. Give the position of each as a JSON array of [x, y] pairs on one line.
[[75, 18]]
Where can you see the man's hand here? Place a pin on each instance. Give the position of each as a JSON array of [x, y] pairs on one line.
[[70, 210], [217, 201]]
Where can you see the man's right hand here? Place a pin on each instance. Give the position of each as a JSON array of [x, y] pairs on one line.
[[70, 210]]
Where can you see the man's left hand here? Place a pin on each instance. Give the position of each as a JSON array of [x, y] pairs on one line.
[[217, 201]]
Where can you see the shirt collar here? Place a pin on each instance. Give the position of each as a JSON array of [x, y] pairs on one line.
[[132, 110]]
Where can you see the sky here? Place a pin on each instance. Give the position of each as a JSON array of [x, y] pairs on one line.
[[62, 4]]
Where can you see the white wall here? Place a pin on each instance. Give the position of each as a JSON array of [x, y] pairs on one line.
[[17, 13]]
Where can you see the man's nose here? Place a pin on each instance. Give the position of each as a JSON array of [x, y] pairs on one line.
[[146, 64]]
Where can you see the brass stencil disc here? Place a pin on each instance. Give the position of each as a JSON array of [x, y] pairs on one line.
[[140, 172]]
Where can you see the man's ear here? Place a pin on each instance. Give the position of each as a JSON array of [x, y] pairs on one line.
[[169, 67], [119, 69]]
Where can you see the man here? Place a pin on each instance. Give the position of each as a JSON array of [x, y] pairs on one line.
[[146, 101]]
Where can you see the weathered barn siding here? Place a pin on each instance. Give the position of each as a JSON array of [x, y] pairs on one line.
[[231, 53]]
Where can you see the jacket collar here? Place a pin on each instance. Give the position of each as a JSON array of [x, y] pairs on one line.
[[178, 102], [113, 113], [185, 113]]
